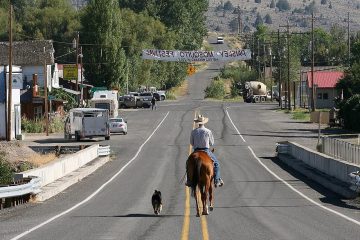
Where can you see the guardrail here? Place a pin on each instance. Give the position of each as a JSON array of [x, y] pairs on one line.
[[15, 194], [342, 150], [104, 150]]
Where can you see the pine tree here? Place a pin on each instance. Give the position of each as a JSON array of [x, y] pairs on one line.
[[268, 19], [272, 4]]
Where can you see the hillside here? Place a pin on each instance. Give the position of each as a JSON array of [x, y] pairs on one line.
[[333, 12]]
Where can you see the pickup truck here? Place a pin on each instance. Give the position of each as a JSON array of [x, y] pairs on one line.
[[130, 101]]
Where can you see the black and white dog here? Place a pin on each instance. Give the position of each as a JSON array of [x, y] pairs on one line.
[[156, 202]]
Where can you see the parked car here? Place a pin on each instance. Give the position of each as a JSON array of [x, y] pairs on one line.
[[118, 125]]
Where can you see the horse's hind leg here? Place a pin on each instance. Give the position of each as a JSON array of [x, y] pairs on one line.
[[204, 198], [211, 197], [197, 203]]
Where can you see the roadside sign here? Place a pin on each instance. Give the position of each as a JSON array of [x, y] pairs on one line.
[[51, 97], [70, 71], [94, 89]]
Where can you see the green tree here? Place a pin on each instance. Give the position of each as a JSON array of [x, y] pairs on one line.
[[283, 5], [268, 19], [186, 18], [228, 6], [102, 28], [311, 8], [272, 4], [258, 21]]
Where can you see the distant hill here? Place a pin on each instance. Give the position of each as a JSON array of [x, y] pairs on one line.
[[222, 18]]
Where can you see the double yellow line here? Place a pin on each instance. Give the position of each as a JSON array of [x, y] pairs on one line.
[[186, 224]]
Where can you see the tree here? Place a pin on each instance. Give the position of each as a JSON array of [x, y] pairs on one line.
[[283, 5], [272, 4], [311, 8], [102, 26], [187, 18], [259, 21], [268, 19], [228, 6]]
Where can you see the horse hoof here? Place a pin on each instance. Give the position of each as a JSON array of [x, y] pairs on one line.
[[197, 215], [205, 213], [211, 208]]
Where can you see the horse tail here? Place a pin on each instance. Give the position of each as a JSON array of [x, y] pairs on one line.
[[196, 174]]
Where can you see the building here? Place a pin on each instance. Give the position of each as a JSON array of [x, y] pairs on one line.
[[324, 83], [32, 58]]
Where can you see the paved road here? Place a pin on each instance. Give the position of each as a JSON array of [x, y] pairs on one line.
[[114, 202]]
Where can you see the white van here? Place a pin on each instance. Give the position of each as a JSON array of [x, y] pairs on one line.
[[87, 123]]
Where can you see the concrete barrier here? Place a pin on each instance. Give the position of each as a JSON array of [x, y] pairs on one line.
[[62, 166], [322, 162]]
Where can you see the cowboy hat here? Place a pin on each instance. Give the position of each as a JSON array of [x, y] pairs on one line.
[[201, 119]]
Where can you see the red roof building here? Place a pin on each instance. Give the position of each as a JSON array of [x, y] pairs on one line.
[[325, 92], [324, 79]]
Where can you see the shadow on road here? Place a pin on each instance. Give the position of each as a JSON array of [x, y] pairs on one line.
[[133, 215], [329, 197]]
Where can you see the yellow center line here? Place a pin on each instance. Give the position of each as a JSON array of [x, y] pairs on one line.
[[186, 224]]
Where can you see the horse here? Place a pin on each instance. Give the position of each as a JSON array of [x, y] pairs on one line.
[[201, 171]]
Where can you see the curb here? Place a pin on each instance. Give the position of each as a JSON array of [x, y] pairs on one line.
[[63, 183]]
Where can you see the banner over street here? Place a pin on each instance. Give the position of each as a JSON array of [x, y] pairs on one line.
[[197, 56]]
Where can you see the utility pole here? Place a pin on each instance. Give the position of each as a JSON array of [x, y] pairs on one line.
[[258, 58], [264, 63], [81, 78], [288, 87], [271, 71], [9, 112], [312, 65], [239, 21], [348, 31], [279, 67], [46, 96], [77, 60], [288, 73]]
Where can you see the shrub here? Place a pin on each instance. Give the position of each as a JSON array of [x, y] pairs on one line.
[[350, 112], [56, 125], [216, 89], [5, 169], [32, 126]]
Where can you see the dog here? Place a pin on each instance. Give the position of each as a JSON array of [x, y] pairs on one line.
[[156, 202]]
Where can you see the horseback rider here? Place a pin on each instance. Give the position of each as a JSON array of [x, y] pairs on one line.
[[201, 139]]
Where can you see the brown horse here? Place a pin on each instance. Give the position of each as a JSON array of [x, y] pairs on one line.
[[201, 173]]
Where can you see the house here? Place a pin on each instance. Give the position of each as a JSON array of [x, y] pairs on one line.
[[33, 58], [324, 83], [15, 106]]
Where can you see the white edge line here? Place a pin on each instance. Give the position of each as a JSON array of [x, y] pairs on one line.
[[238, 132], [291, 187], [301, 194], [94, 193]]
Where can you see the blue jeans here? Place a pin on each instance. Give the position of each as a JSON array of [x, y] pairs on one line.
[[216, 163]]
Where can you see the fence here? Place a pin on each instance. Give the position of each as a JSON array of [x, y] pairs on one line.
[[342, 150]]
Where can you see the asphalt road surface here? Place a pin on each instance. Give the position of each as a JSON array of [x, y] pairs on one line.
[[261, 199]]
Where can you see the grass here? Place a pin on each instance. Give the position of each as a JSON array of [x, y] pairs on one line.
[[179, 91], [297, 114]]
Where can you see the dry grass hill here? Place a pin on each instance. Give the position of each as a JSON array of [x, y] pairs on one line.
[[328, 14]]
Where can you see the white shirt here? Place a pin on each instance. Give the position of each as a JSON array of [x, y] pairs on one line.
[[201, 137]]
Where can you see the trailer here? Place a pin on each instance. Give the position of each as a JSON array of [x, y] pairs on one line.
[[87, 123]]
